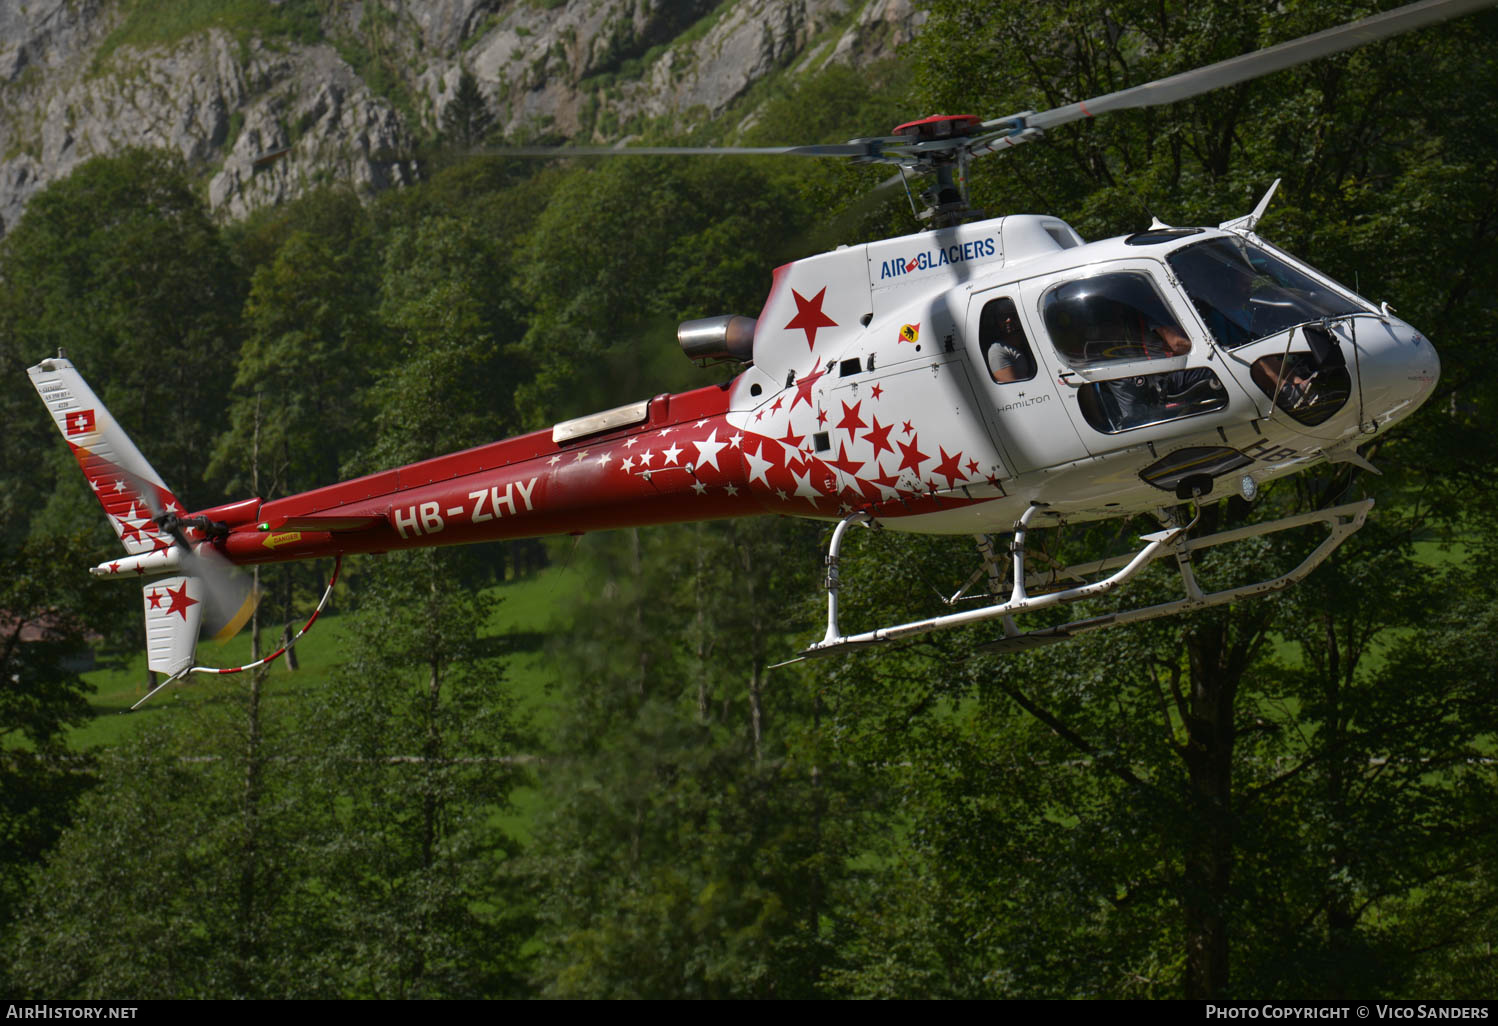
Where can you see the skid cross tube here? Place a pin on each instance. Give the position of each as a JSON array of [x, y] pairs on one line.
[[1341, 522]]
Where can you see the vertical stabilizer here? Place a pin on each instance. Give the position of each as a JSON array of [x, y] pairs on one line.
[[174, 611], [128, 488]]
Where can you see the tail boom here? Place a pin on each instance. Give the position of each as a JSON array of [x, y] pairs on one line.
[[682, 461]]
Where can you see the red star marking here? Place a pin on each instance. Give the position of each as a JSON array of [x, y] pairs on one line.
[[847, 466], [809, 316], [776, 404], [877, 391], [950, 467], [758, 414], [907, 429], [159, 544], [114, 568], [154, 598], [972, 466], [851, 421], [803, 385], [993, 480], [821, 417], [911, 456], [791, 441], [129, 531], [181, 603], [880, 437]]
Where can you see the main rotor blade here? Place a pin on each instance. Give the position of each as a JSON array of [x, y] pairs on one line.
[[1261, 62], [868, 148]]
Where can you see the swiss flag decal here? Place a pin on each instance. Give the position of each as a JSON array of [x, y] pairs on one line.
[[80, 422]]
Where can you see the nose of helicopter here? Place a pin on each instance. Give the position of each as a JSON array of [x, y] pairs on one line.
[[1397, 369]]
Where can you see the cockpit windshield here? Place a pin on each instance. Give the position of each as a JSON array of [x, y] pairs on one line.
[[1245, 293]]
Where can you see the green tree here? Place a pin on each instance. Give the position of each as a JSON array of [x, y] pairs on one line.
[[44, 621], [467, 119], [312, 344], [121, 265], [423, 746], [702, 822], [190, 872], [625, 251]]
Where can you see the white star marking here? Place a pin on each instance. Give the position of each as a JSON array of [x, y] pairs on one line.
[[780, 494], [628, 464], [554, 461], [580, 456], [172, 507], [664, 432], [757, 468], [646, 457], [736, 439], [671, 454], [119, 486], [700, 422], [707, 450], [603, 460], [804, 487], [730, 489], [629, 443], [94, 485], [699, 488]]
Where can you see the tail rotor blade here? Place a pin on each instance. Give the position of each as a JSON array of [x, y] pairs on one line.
[[230, 595]]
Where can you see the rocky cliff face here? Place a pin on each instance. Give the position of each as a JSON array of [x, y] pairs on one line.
[[264, 117]]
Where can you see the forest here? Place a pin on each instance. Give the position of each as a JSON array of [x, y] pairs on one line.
[[1293, 796]]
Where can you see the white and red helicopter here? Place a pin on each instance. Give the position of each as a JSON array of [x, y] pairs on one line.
[[981, 376]]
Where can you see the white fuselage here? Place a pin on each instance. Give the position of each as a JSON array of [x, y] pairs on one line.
[[910, 391]]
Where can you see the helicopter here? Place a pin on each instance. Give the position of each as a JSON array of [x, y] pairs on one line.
[[983, 376]]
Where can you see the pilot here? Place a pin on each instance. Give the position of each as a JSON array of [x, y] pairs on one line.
[[1150, 398]]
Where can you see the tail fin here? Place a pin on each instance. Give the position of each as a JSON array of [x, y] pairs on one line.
[[131, 492], [133, 496]]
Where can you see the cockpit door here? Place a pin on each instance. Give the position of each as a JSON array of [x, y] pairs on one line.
[[1132, 361], [1016, 384]]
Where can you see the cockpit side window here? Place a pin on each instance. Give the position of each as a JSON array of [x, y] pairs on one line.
[[1245, 293], [1108, 318], [1001, 340]]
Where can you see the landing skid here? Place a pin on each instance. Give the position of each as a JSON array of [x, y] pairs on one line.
[[1172, 540]]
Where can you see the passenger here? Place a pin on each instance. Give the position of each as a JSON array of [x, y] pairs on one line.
[[1008, 354]]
